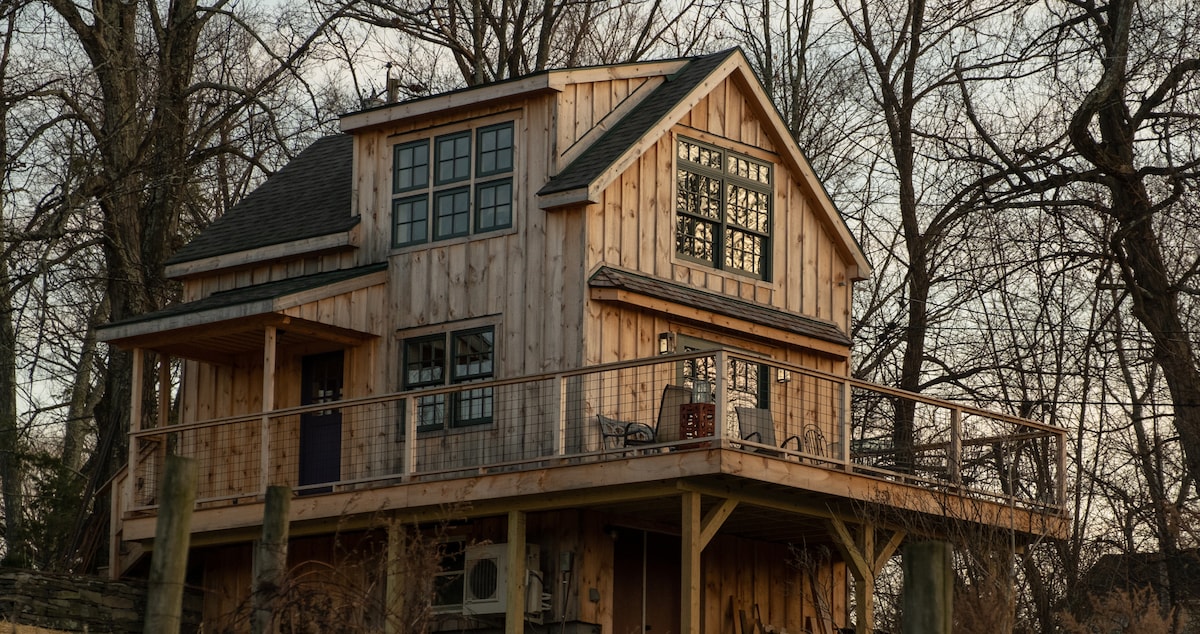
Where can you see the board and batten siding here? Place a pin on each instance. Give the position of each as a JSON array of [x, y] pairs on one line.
[[633, 227], [527, 279]]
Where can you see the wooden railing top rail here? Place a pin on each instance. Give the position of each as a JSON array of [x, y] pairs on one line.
[[608, 367]]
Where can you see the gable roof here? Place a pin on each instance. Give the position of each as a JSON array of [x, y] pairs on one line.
[[604, 152], [308, 197], [596, 167]]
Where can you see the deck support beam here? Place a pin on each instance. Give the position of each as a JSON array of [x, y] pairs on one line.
[[689, 570]]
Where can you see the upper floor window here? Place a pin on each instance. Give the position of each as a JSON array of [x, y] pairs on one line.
[[723, 208], [455, 357], [452, 185]]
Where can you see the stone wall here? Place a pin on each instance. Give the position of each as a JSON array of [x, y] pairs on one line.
[[80, 604]]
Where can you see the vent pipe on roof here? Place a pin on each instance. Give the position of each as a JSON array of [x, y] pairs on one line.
[[393, 86]]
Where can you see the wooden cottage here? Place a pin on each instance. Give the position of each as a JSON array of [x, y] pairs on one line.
[[583, 337]]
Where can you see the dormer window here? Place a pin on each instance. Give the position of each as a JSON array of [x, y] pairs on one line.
[[470, 190], [723, 209]]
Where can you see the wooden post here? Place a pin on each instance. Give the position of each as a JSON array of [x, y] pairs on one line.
[[270, 560], [689, 571], [397, 608], [928, 588], [844, 425], [135, 423], [720, 416], [172, 535], [514, 621], [410, 438], [954, 467], [865, 560], [560, 420], [268, 404]]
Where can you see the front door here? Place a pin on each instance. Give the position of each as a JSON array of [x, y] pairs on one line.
[[321, 430]]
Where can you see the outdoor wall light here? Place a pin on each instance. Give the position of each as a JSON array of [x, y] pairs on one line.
[[666, 342]]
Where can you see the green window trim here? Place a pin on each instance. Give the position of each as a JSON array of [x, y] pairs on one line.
[[723, 209], [466, 188]]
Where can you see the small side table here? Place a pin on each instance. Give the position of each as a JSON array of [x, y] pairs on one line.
[[696, 420]]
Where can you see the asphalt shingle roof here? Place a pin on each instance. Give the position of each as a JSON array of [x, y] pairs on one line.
[[255, 293], [609, 147], [607, 277], [308, 197]]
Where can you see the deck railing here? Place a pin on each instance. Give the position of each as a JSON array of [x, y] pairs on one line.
[[679, 402]]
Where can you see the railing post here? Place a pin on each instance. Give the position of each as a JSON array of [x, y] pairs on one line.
[[954, 460], [268, 404], [720, 416], [844, 423], [410, 437], [560, 416]]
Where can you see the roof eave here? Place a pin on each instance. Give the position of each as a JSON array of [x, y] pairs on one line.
[[470, 98]]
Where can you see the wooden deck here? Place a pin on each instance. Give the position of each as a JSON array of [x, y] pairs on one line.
[[795, 442]]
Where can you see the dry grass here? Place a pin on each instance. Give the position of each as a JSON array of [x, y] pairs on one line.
[[9, 628]]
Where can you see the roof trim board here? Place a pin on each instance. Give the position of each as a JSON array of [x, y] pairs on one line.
[[471, 97]]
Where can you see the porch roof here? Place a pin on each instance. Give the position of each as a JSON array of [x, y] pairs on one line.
[[610, 278], [227, 322]]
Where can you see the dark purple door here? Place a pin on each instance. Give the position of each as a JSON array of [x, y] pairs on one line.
[[321, 430]]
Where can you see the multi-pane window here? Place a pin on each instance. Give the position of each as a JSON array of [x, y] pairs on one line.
[[723, 209], [452, 185], [456, 357]]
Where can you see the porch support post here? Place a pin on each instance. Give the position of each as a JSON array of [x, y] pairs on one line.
[[928, 587], [268, 404], [164, 389], [689, 571], [135, 422], [514, 619]]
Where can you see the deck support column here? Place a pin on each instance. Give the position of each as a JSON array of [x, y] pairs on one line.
[[865, 560], [928, 587], [514, 620], [689, 571]]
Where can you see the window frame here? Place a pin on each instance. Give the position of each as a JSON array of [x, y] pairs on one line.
[[447, 413], [723, 227], [494, 144]]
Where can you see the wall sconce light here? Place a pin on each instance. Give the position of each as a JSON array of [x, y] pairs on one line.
[[666, 342], [783, 376]]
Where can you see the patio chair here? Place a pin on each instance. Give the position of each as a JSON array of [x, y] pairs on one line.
[[630, 434], [756, 425], [814, 440], [618, 433]]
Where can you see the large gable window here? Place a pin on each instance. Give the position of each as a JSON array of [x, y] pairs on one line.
[[723, 209], [452, 185]]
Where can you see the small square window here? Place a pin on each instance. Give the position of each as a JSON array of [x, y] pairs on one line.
[[452, 213], [453, 157], [495, 150], [410, 217], [410, 165], [493, 205]]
